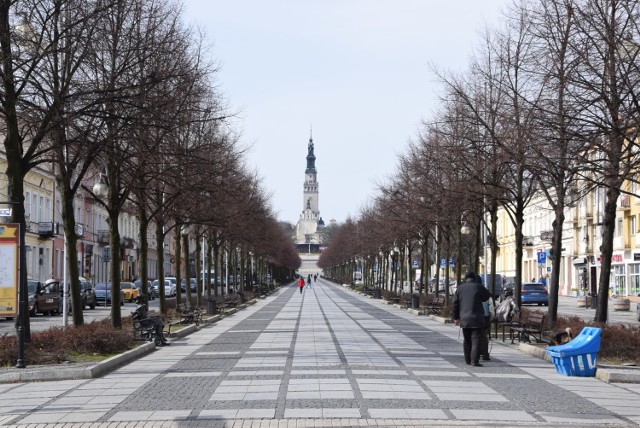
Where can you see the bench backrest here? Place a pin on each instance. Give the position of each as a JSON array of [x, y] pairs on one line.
[[438, 300], [535, 319]]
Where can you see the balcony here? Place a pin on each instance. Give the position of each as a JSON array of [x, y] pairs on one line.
[[621, 243], [103, 237], [625, 202], [47, 230], [527, 241]]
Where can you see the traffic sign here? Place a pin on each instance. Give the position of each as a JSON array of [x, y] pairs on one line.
[[415, 263], [443, 262], [5, 212], [542, 257]]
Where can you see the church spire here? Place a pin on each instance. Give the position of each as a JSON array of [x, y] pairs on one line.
[[311, 158]]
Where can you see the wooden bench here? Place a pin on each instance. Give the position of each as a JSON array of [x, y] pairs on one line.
[[435, 306], [229, 303], [531, 326], [144, 329], [189, 314]]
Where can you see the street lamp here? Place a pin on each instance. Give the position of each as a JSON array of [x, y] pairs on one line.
[[100, 188], [380, 268]]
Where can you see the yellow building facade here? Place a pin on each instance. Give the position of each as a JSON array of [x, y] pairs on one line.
[[582, 236]]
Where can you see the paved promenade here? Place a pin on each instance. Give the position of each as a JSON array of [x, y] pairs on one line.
[[327, 357]]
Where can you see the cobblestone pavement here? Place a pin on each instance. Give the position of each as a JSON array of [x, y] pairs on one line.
[[327, 357]]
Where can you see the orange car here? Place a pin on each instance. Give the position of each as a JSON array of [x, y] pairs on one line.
[[130, 291]]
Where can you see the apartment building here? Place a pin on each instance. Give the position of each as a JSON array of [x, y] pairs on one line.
[[44, 237], [582, 236]]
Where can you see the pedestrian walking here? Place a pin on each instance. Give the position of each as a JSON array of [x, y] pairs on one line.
[[300, 284], [309, 280], [315, 277], [468, 313]]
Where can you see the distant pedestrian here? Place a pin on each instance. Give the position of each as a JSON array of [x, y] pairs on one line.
[[309, 280], [468, 313], [300, 284], [315, 277]]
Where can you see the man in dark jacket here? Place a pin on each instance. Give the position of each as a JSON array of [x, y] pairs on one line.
[[468, 313]]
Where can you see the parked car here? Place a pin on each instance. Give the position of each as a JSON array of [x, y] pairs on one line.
[[87, 295], [129, 291], [153, 293], [193, 285], [43, 298], [103, 294], [169, 289], [532, 292], [174, 284]]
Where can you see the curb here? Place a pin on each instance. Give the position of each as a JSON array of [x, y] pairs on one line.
[[69, 373]]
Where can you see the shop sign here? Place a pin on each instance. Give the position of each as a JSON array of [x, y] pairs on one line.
[[616, 258]]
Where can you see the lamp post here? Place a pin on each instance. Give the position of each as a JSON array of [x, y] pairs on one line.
[[392, 257], [464, 230], [380, 269]]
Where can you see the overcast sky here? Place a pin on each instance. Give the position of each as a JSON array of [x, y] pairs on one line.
[[357, 71]]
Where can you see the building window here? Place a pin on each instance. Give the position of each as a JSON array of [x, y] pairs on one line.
[[617, 274], [632, 225], [34, 209], [27, 205], [619, 227], [634, 279]]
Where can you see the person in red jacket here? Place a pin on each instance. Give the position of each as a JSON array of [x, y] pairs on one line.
[[300, 284]]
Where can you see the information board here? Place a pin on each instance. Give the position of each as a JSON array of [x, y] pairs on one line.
[[9, 246]]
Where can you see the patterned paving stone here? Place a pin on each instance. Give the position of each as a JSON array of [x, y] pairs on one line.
[[327, 357]]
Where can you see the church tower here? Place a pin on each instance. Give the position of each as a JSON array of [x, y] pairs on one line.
[[310, 220], [310, 194]]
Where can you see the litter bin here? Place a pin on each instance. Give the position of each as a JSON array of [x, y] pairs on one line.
[[211, 306], [415, 302], [594, 300], [377, 293]]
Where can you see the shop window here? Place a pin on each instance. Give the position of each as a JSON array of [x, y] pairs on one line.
[[634, 279], [618, 283]]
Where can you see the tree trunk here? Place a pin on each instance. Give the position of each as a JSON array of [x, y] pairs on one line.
[[199, 272], [71, 250], [160, 251], [144, 252], [178, 263], [606, 249], [187, 268], [116, 256], [494, 250]]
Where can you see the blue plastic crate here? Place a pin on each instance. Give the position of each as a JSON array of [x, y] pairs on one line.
[[578, 357], [576, 365]]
